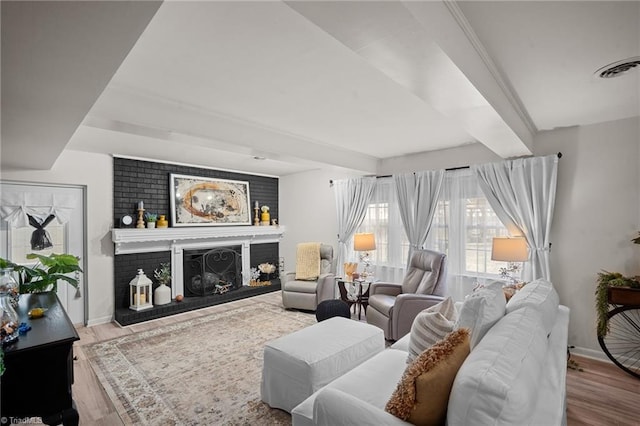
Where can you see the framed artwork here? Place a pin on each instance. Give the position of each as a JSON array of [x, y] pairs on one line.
[[200, 201]]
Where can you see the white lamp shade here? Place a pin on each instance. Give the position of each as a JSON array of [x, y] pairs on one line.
[[509, 249], [364, 242]]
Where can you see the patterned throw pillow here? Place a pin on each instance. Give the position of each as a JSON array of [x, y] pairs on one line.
[[430, 326], [422, 395]]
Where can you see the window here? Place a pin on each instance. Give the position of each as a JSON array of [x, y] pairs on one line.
[[463, 227], [383, 219]]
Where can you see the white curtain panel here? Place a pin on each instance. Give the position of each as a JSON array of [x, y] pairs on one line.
[[417, 198], [450, 232], [383, 219], [352, 199], [522, 192]]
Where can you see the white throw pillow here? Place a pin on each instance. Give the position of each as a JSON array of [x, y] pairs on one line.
[[540, 295], [481, 310], [430, 326]]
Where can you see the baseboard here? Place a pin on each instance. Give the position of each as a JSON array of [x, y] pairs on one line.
[[590, 353], [98, 321]]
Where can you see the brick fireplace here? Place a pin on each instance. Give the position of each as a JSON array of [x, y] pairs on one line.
[[137, 180], [135, 248]]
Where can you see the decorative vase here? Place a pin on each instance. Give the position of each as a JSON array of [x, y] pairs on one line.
[[8, 316], [151, 224], [349, 269], [162, 295], [162, 222], [265, 218], [8, 284]]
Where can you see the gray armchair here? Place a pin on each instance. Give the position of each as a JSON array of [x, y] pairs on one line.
[[394, 306], [306, 295]]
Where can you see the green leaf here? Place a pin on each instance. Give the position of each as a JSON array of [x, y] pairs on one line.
[[606, 280], [45, 275]]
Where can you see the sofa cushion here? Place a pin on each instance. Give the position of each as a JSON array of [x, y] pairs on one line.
[[481, 310], [540, 295], [430, 326], [402, 344], [422, 395], [499, 382], [372, 382]]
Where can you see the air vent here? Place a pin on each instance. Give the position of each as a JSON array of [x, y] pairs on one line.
[[618, 68]]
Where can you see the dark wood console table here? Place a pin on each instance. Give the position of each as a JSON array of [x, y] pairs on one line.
[[39, 366]]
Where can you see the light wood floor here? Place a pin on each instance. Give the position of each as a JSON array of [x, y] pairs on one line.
[[600, 395]]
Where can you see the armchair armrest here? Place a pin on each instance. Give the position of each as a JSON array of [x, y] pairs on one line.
[[288, 276], [326, 288], [407, 307], [391, 289], [334, 407]]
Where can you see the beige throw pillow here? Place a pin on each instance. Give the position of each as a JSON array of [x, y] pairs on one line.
[[422, 395], [430, 326]]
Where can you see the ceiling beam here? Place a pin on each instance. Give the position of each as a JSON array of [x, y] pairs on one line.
[[430, 49], [445, 23], [57, 58], [204, 128]]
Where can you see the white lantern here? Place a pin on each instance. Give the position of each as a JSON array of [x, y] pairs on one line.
[[140, 292]]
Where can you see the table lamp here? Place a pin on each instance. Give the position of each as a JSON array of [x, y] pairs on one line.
[[509, 249], [364, 243]]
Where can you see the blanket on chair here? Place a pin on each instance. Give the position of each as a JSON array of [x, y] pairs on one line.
[[307, 261]]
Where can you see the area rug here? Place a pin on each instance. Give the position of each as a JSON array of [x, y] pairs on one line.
[[204, 371]]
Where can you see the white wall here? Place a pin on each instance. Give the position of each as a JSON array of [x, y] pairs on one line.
[[308, 209], [596, 215], [95, 171], [442, 159]]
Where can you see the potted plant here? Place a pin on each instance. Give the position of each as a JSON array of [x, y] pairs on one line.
[[607, 280], [151, 219], [163, 274], [266, 271], [44, 275], [162, 294]]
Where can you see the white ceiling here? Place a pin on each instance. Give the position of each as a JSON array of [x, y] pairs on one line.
[[310, 84]]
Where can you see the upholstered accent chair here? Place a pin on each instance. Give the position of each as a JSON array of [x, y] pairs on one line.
[[307, 294], [394, 306]]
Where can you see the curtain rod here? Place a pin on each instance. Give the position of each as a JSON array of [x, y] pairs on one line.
[[559, 154]]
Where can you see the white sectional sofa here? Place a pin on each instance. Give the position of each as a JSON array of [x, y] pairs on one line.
[[514, 375]]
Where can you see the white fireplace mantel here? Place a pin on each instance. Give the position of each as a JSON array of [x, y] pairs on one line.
[[134, 240]]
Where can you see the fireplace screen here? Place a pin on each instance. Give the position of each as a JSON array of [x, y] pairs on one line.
[[212, 271]]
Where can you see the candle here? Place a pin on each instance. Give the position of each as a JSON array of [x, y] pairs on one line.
[[143, 299], [140, 205], [256, 205]]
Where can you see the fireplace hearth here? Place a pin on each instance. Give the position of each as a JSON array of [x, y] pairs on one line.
[[231, 247]]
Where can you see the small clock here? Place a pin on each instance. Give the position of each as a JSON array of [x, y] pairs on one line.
[[126, 221]]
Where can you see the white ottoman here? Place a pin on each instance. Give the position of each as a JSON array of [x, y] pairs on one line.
[[297, 365]]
